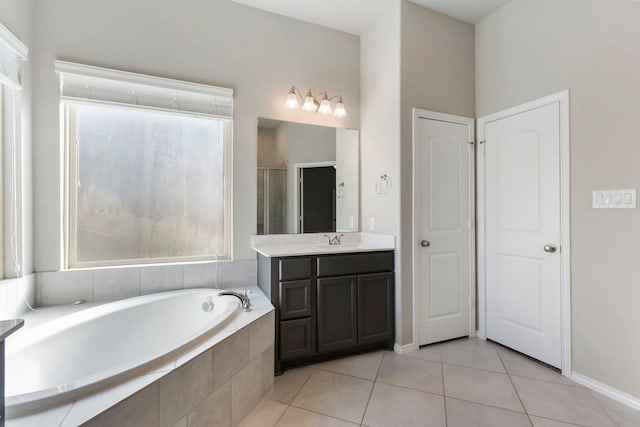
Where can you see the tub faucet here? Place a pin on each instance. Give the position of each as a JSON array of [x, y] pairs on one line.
[[244, 299], [335, 240]]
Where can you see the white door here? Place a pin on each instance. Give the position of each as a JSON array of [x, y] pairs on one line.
[[443, 234], [522, 219]]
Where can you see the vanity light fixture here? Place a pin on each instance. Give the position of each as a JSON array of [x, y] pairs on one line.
[[312, 105]]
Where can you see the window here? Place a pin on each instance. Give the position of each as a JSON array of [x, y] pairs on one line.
[[145, 183]]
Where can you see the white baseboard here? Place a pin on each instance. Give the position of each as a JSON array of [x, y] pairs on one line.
[[404, 349], [606, 390]]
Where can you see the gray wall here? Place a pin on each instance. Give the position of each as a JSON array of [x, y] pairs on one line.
[[217, 42], [438, 74], [532, 48], [380, 130]]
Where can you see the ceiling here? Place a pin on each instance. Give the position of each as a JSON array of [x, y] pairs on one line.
[[353, 16]]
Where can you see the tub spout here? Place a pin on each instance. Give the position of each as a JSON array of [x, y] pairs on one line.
[[244, 299]]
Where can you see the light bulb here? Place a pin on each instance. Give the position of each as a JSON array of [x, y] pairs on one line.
[[340, 110], [325, 106], [309, 103], [292, 100]]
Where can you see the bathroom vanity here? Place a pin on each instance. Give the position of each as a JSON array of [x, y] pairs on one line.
[[330, 300]]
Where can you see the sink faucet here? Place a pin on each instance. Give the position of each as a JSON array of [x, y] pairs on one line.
[[335, 240], [244, 299]]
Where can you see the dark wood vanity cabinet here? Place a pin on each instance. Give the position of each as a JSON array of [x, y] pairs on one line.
[[329, 305]]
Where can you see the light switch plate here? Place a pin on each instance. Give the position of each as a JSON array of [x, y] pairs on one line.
[[615, 199]]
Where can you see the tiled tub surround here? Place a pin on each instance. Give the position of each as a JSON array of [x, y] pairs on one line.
[[279, 245], [215, 383], [115, 283]]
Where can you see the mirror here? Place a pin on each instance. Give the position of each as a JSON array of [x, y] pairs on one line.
[[308, 178]]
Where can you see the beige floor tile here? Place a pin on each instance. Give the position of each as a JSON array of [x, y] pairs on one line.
[[428, 352], [286, 386], [472, 353], [467, 414], [522, 366], [336, 395], [401, 407], [545, 422], [418, 374], [561, 402], [622, 414], [296, 417], [362, 366], [479, 386], [265, 414]]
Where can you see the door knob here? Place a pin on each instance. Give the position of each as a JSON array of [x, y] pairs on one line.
[[549, 248], [425, 243]]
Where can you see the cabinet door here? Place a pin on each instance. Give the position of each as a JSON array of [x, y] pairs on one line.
[[295, 299], [295, 339], [336, 313], [375, 308]]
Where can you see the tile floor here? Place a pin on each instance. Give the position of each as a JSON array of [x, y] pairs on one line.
[[467, 382]]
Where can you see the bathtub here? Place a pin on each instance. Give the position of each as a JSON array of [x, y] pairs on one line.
[[59, 360]]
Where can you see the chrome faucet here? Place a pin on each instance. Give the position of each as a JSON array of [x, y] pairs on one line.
[[243, 297], [335, 240]]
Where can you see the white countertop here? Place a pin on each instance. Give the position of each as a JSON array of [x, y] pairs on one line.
[[279, 245]]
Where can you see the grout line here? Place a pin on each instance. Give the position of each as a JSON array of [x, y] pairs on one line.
[[324, 415], [477, 369], [600, 405], [558, 421], [576, 385], [281, 415], [444, 393], [514, 387], [371, 391], [486, 405]]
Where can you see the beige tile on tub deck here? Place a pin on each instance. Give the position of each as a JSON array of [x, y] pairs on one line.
[[336, 395], [245, 390], [184, 388], [116, 283], [161, 278], [229, 356], [265, 414], [474, 385], [214, 410], [401, 407], [467, 414], [141, 409], [417, 374], [261, 334], [362, 365], [288, 385], [561, 402], [296, 417]]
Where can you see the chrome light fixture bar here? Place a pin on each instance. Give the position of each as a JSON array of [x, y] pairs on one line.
[[312, 105]]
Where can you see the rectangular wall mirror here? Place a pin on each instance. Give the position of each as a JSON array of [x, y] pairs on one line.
[[308, 178]]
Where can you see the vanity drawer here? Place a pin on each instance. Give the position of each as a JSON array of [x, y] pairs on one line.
[[349, 264], [295, 339], [295, 268], [295, 299]]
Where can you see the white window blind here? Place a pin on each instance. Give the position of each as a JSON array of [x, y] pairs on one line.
[[12, 51], [101, 85]]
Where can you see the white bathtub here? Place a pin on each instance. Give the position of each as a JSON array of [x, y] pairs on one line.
[[62, 359]]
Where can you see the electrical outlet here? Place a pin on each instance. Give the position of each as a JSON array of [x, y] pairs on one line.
[[372, 223]]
